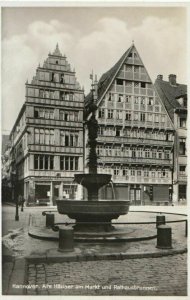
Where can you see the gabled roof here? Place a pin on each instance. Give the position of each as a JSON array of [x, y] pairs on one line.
[[107, 77], [169, 94]]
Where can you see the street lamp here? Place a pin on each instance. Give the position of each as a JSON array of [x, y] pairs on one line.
[[14, 180]]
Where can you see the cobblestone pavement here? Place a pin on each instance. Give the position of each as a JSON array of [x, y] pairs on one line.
[[135, 277]]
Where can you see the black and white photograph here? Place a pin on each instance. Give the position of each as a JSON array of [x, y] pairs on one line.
[[94, 149]]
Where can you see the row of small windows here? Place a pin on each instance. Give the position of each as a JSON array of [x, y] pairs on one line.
[[54, 94], [135, 133], [46, 162], [133, 152], [135, 84], [135, 69], [130, 115], [64, 115], [129, 99], [126, 171], [56, 77], [47, 137]]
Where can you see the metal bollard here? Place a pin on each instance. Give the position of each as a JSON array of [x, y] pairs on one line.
[[186, 228], [66, 239], [50, 220], [160, 220], [164, 237]]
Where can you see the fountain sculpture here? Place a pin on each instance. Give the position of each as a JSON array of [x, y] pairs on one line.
[[91, 214]]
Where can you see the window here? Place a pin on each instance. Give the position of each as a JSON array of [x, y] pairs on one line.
[[128, 83], [146, 173], [143, 100], [182, 147], [136, 69], [133, 152], [43, 162], [37, 136], [130, 54], [182, 122], [157, 118], [118, 132], [147, 153], [143, 85], [132, 172], [36, 113], [149, 117], [62, 80], [127, 99], [120, 98], [108, 150], [125, 172], [116, 171], [100, 150], [128, 116], [119, 81], [153, 174], [150, 101], [140, 152], [142, 117], [138, 172], [47, 137], [136, 116], [100, 130], [160, 154], [136, 84], [41, 136], [101, 113], [163, 119], [154, 151], [166, 155], [128, 68], [136, 100], [110, 113], [119, 114], [182, 170]]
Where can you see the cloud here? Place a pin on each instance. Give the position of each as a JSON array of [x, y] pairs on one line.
[[160, 43]]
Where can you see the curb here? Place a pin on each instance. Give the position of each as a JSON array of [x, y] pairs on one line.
[[54, 256]]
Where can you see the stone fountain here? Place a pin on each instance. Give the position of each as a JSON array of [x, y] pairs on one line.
[[91, 214]]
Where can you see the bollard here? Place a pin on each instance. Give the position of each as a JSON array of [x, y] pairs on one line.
[[186, 228], [160, 220], [66, 239], [164, 237], [49, 220]]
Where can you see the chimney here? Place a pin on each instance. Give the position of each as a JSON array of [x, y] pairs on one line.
[[160, 77], [172, 79]]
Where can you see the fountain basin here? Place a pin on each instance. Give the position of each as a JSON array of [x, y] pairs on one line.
[[93, 211]]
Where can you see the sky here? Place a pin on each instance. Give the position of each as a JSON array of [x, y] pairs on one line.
[[92, 38]]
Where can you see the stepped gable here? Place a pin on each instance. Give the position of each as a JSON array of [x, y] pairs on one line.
[[169, 94]]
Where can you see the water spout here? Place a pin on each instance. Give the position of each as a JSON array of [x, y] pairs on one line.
[[111, 182]]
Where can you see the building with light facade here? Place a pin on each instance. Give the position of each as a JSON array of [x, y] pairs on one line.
[[174, 96], [47, 137], [136, 134]]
